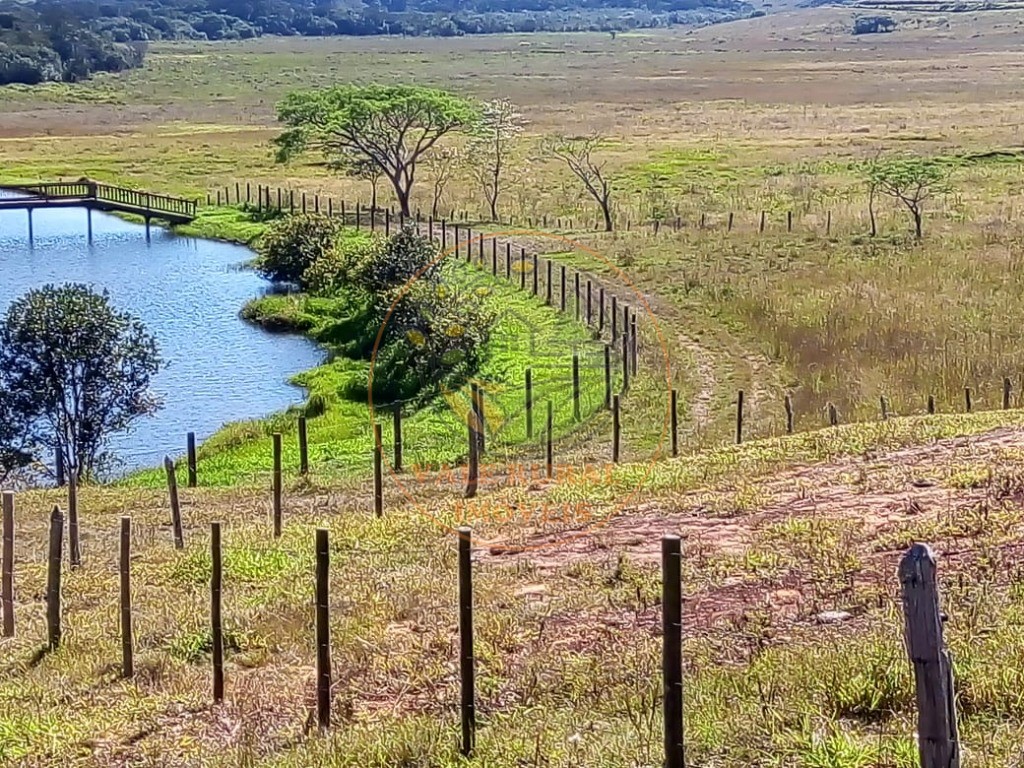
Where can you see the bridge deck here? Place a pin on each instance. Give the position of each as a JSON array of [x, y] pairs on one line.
[[101, 197]]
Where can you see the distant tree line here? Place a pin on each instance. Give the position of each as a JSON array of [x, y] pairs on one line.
[[67, 40]]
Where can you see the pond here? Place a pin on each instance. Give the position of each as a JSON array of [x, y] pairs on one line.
[[188, 293]]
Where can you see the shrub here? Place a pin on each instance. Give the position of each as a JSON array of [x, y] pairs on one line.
[[293, 244]]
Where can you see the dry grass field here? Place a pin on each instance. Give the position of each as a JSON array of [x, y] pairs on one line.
[[771, 114]]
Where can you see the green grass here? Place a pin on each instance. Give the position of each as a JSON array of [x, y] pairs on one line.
[[231, 224]]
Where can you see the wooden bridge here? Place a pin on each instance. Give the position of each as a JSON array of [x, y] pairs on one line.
[[94, 196]]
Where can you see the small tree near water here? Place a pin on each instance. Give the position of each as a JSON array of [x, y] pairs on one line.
[[293, 244], [393, 126], [74, 372]]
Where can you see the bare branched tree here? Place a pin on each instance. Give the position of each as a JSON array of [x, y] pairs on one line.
[[442, 165], [578, 155], [491, 148]]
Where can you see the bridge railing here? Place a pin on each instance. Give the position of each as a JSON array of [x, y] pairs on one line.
[[108, 193], [145, 200]]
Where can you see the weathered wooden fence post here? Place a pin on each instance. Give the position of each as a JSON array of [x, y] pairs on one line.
[[549, 456], [303, 447], [616, 429], [937, 735], [600, 309], [473, 465], [672, 649], [739, 417], [277, 485], [576, 386], [833, 415], [323, 629], [967, 399], [549, 283], [607, 376], [577, 304], [561, 305], [378, 473], [193, 469], [529, 403], [590, 309], [1006, 393], [216, 624], [674, 421], [396, 435], [789, 415], [467, 663], [125, 565], [761, 228], [625, 359], [615, 318], [633, 344], [931, 404], [8, 563], [172, 490], [53, 612], [884, 406], [74, 540]]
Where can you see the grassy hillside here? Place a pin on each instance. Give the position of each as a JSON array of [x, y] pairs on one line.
[[567, 644]]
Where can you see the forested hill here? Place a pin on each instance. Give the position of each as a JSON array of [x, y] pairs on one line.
[[70, 39]]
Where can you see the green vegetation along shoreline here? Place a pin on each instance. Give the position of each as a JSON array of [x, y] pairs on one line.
[[526, 334]]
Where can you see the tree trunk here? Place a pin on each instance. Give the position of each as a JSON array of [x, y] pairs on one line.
[[494, 207], [871, 211], [607, 211], [917, 221], [402, 194]]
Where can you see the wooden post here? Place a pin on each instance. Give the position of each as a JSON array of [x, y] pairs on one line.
[[444, 234], [789, 415], [323, 629], [387, 223], [633, 343], [600, 309], [828, 224], [549, 456], [672, 649], [789, 221], [967, 398], [480, 250], [833, 415], [674, 419], [172, 490], [730, 222], [590, 310], [494, 257], [74, 542], [277, 485], [378, 473], [625, 360], [53, 613], [616, 429], [937, 736], [562, 303], [190, 441], [216, 625], [576, 386], [303, 447], [885, 407], [529, 403], [550, 284], [1006, 394], [397, 436], [615, 318], [303, 202], [473, 465], [508, 261], [608, 376], [316, 203], [238, 192], [466, 661], [576, 289], [931, 404], [127, 655], [761, 229], [739, 417], [8, 563]]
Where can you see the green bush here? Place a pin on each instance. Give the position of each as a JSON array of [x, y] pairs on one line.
[[293, 244]]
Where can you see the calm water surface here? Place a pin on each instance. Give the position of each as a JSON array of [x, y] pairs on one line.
[[188, 293]]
